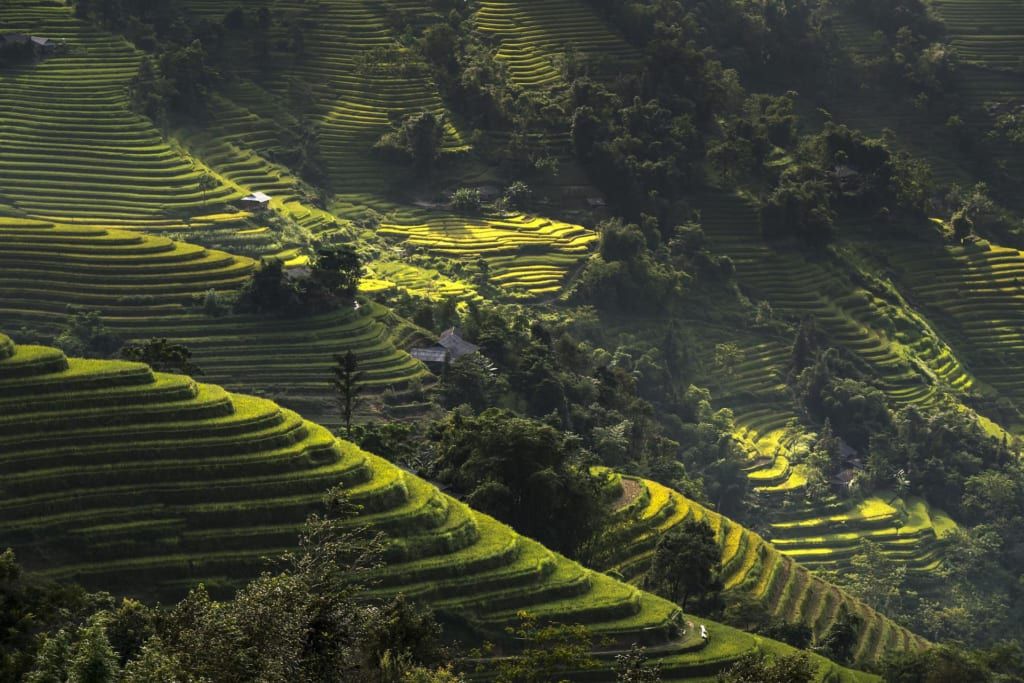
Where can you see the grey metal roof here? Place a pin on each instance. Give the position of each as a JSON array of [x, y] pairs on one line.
[[430, 354], [456, 345]]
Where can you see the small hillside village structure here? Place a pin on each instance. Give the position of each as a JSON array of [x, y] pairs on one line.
[[451, 346], [38, 46], [257, 201], [852, 465]]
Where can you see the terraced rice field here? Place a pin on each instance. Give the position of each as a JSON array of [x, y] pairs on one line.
[[73, 107], [425, 283], [975, 295], [851, 316], [354, 106], [825, 533], [534, 37], [989, 37], [145, 285], [907, 531], [986, 32], [526, 255], [752, 568], [170, 482]]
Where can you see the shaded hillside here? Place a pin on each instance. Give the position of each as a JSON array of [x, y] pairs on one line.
[[135, 481], [751, 568]]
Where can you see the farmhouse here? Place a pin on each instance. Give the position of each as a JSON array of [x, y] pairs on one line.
[[451, 346], [456, 346], [257, 201], [38, 46], [434, 357]]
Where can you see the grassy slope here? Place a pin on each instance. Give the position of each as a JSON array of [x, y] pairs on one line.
[[751, 567], [129, 480], [147, 286]]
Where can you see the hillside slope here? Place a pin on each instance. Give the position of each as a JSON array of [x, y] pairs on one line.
[[751, 568], [132, 480], [145, 286]]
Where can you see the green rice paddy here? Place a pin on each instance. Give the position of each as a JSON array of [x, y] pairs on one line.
[[130, 480], [752, 568]]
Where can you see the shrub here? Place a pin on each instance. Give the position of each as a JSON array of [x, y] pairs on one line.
[[466, 200], [518, 195]]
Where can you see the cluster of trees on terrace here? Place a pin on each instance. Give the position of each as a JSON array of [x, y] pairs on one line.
[[330, 281], [678, 121], [942, 455], [305, 620]]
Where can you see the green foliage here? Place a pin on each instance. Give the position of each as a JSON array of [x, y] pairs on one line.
[[524, 473], [331, 281], [877, 579], [85, 334], [346, 381], [638, 285], [839, 641], [162, 356], [93, 659], [518, 195], [752, 615], [336, 274], [268, 291], [686, 563], [51, 662], [620, 242], [756, 667], [937, 665], [307, 622], [466, 200], [154, 664], [29, 608], [417, 139], [632, 667], [548, 649], [471, 381], [799, 207]]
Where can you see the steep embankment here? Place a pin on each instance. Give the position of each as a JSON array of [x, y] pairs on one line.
[[132, 480], [144, 286], [751, 568]]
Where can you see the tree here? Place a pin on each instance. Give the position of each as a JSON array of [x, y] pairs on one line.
[[756, 667], [162, 356], [727, 357], [686, 561], [839, 642], [876, 579], [418, 138], [632, 667], [962, 225], [524, 472], [338, 270], [620, 242], [150, 93], [466, 200], [93, 660], [190, 79], [155, 665], [85, 334], [346, 383], [268, 291], [548, 649], [206, 183], [51, 663], [941, 664]]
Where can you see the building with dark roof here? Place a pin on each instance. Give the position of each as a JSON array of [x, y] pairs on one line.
[[431, 355], [457, 346], [451, 346]]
